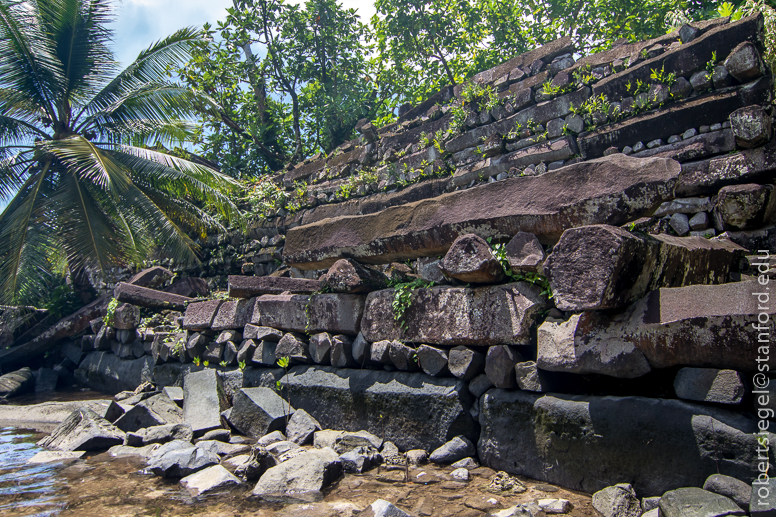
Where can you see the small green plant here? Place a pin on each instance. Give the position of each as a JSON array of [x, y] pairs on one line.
[[662, 77], [241, 365], [223, 364], [110, 312], [425, 140], [631, 227], [500, 253], [205, 363], [711, 63], [284, 362], [196, 361], [402, 298], [177, 348], [644, 54]]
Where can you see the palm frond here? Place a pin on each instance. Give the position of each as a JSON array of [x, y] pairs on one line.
[[89, 162], [13, 169]]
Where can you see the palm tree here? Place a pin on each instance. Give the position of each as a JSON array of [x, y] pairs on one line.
[[77, 167]]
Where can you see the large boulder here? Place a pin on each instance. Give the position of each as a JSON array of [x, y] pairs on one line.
[[159, 434], [752, 126], [396, 405], [152, 277], [83, 430], [348, 276], [457, 315], [203, 400], [470, 260], [606, 267], [301, 478], [594, 442], [178, 458], [259, 411], [157, 410], [743, 207], [614, 189], [149, 298], [125, 317], [701, 325], [617, 501], [696, 502]]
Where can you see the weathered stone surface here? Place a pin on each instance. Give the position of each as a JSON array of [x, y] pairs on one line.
[[500, 365], [752, 126], [709, 385], [106, 372], [16, 383], [301, 478], [320, 348], [178, 459], [360, 459], [456, 449], [153, 277], [301, 427], [355, 399], [261, 333], [402, 357], [680, 223], [200, 315], [563, 346], [209, 480], [379, 352], [705, 326], [228, 335], [740, 207], [233, 314], [149, 298], [744, 62], [157, 410], [470, 260], [265, 353], [258, 411], [342, 352], [348, 276], [606, 267], [457, 315], [529, 377], [332, 312], [55, 457], [694, 147], [433, 361], [126, 317], [615, 189], [246, 351], [361, 350], [293, 346], [344, 441], [466, 363], [159, 434], [525, 253], [696, 502], [203, 401], [213, 353], [191, 287], [617, 501], [83, 430], [735, 489], [250, 286], [383, 508]]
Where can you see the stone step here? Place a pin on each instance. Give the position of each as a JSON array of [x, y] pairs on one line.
[[250, 286], [614, 189]]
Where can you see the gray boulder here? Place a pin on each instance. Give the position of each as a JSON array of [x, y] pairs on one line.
[[360, 459], [709, 385], [470, 260], [525, 253], [382, 508], [738, 491], [178, 459], [301, 478], [696, 502], [258, 462], [83, 430], [210, 480], [294, 347], [465, 363], [752, 126], [342, 352], [258, 411], [348, 276], [203, 401], [301, 427], [345, 441], [159, 434], [153, 411], [320, 348], [617, 501], [742, 207], [763, 499], [456, 449], [433, 361], [500, 365]]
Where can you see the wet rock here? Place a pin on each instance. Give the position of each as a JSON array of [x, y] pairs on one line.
[[149, 298], [466, 363], [126, 317], [293, 347], [695, 502], [744, 62], [456, 315], [617, 501], [301, 427], [500, 365], [456, 449], [603, 440], [433, 361], [209, 480], [752, 126], [709, 385], [342, 352], [605, 267], [360, 459], [320, 348], [159, 434], [83, 430], [402, 357], [301, 478], [735, 489], [203, 401], [740, 207], [470, 260], [355, 399], [524, 252], [258, 411], [179, 459], [16, 383], [200, 315], [348, 276]]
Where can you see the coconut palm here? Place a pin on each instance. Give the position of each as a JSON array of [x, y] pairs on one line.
[[77, 165]]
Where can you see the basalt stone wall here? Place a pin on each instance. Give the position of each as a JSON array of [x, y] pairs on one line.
[[566, 262]]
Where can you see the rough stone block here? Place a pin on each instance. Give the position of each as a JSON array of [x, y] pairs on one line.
[[320, 348], [259, 411], [752, 126], [742, 207], [744, 62], [524, 252], [342, 352], [500, 365], [433, 361], [294, 347], [250, 286], [200, 315], [465, 363], [203, 401], [348, 276], [470, 260], [709, 385], [331, 312], [149, 298]]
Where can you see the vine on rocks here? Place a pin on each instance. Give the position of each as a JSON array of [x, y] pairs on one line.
[[110, 312], [402, 298], [499, 251]]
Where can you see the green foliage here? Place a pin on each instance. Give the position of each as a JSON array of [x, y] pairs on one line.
[[500, 253], [61, 300], [80, 163], [241, 365], [711, 63], [223, 364], [197, 361], [110, 312], [205, 363], [662, 77], [402, 298]]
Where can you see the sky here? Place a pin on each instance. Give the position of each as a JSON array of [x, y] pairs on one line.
[[142, 22]]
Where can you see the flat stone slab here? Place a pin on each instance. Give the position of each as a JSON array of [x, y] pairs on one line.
[[457, 315], [594, 442], [614, 190], [233, 314], [332, 312], [696, 502], [203, 401], [55, 456], [149, 298], [200, 315], [418, 411], [250, 286]]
